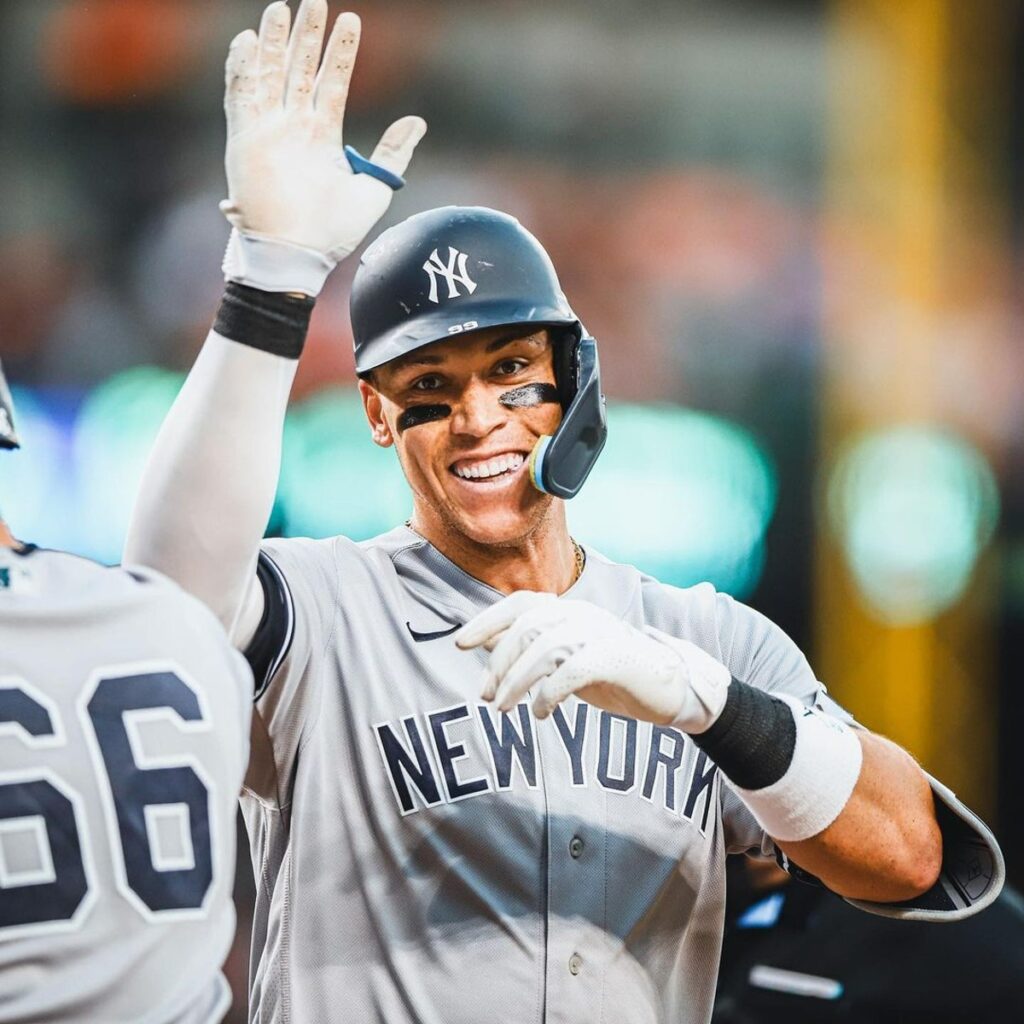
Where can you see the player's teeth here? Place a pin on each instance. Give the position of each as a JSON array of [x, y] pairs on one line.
[[493, 467]]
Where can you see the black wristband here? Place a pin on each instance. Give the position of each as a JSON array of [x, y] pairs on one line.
[[753, 739], [271, 321]]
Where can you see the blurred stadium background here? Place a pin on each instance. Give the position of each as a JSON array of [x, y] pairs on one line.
[[794, 227]]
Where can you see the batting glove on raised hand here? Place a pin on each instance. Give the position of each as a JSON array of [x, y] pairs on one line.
[[296, 205], [566, 647]]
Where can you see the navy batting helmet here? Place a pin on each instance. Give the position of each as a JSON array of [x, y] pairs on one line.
[[8, 436], [463, 268]]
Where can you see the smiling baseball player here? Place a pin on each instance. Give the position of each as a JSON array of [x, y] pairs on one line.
[[494, 776]]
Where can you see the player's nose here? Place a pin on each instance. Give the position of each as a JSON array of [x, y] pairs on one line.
[[478, 411]]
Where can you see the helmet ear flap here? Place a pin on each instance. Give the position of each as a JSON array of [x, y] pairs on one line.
[[565, 354]]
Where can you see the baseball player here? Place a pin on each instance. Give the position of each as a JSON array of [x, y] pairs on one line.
[[494, 775], [124, 720]]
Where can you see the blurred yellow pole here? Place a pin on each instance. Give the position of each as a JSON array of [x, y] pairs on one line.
[[891, 156]]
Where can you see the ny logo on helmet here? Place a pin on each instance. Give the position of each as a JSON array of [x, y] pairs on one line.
[[434, 266]]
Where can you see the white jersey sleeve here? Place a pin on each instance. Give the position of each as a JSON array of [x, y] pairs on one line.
[[124, 725]]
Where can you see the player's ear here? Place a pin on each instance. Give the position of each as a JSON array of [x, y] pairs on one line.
[[374, 408]]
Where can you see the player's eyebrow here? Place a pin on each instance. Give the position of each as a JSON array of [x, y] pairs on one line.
[[432, 359], [507, 339]]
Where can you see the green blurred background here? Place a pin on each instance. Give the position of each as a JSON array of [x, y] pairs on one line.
[[794, 227]]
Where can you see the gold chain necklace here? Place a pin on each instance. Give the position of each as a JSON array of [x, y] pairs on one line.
[[581, 560]]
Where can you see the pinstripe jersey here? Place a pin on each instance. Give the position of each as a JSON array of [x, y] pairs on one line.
[[424, 859], [124, 720]]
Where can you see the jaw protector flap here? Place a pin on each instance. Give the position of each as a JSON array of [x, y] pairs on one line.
[[560, 464]]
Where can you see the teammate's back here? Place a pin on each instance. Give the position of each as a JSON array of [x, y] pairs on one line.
[[124, 720]]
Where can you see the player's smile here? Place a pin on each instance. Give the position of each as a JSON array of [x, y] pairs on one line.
[[488, 470], [478, 482]]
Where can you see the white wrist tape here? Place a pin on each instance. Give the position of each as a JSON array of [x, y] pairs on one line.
[[275, 266], [818, 783]]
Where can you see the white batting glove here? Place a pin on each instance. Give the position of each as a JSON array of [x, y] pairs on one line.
[[295, 204], [576, 647]]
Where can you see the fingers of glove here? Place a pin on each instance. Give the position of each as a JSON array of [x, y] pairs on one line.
[[304, 53], [240, 77], [335, 74], [544, 618], [539, 659], [580, 670], [498, 617], [273, 49], [395, 149], [489, 687]]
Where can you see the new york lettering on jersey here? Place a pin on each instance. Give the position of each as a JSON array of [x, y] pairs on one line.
[[468, 750], [123, 738]]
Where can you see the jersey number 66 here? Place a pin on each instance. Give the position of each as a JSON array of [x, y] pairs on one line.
[[141, 796]]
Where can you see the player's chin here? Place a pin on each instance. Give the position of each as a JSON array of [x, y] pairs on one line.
[[495, 512]]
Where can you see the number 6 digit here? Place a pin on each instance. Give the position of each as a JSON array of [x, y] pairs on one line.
[[41, 817], [151, 793]]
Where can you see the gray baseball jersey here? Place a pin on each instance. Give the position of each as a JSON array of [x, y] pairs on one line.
[[421, 857], [124, 727]]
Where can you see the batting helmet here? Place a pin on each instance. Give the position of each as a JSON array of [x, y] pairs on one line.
[[8, 436], [463, 268]]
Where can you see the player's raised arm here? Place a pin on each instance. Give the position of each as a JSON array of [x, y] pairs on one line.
[[299, 202]]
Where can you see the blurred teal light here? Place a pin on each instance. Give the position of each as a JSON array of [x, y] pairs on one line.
[[334, 479], [115, 430], [682, 495], [912, 507]]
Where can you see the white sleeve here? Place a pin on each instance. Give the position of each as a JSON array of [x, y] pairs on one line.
[[208, 487]]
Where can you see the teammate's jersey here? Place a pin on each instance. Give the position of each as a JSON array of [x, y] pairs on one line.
[[421, 857], [124, 728]]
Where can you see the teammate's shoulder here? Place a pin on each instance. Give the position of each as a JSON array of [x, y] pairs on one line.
[[146, 583], [67, 569]]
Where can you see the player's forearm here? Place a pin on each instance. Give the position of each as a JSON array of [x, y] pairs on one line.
[[847, 806], [886, 845], [209, 485]]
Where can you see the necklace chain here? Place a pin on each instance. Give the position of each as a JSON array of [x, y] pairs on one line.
[[581, 560]]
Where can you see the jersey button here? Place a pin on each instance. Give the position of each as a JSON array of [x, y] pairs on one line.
[[575, 964], [575, 847]]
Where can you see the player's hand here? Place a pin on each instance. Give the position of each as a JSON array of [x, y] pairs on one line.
[[567, 647], [295, 204]]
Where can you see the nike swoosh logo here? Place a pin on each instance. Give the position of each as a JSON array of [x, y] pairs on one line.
[[422, 638]]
